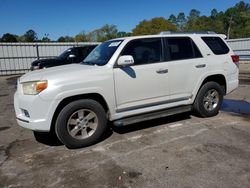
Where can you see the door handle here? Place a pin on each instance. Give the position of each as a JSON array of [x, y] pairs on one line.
[[200, 66], [162, 71]]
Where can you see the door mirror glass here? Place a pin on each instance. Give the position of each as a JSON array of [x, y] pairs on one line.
[[125, 60]]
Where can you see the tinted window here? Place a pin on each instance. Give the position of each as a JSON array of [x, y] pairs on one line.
[[182, 48], [144, 50], [216, 44]]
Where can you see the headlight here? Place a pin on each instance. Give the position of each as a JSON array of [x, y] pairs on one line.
[[33, 88]]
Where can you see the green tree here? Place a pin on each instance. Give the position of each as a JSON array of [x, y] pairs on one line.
[[194, 14], [172, 18], [20, 38], [90, 37], [30, 36], [214, 13], [181, 21], [46, 38], [106, 32], [121, 34], [246, 30], [7, 37], [192, 20], [65, 39], [69, 39], [61, 39], [153, 26], [236, 20], [81, 37]]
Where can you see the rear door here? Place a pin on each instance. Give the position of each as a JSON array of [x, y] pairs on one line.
[[145, 83], [186, 67]]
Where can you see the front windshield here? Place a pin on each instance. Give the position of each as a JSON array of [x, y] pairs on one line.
[[102, 53], [65, 54]]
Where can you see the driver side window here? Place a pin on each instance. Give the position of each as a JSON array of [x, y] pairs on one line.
[[144, 51]]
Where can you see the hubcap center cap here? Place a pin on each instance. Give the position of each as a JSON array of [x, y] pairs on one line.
[[81, 123]]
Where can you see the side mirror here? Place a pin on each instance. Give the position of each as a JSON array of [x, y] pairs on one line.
[[125, 60], [72, 56]]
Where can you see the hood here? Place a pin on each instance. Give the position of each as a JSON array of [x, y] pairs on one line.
[[45, 62], [60, 72]]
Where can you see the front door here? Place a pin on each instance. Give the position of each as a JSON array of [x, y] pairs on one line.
[[145, 83]]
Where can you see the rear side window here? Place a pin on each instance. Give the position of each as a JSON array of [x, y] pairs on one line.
[[216, 44], [182, 48], [144, 51]]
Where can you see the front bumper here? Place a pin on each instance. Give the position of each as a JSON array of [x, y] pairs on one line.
[[32, 112]]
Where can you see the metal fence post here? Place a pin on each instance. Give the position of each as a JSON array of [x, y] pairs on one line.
[[37, 52]]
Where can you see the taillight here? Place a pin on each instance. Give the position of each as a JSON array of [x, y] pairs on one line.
[[236, 59]]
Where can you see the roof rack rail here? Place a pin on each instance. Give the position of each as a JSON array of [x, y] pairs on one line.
[[189, 32]]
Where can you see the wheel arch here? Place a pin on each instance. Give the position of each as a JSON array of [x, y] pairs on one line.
[[218, 78], [94, 96]]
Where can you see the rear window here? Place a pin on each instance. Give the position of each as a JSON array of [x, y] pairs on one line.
[[216, 44]]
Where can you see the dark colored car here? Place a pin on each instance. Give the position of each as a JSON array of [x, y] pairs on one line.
[[71, 55]]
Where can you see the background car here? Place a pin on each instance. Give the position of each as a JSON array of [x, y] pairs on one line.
[[71, 55]]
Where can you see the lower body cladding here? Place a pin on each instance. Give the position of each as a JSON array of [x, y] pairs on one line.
[[33, 113]]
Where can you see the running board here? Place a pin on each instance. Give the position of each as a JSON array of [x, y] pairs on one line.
[[153, 115]]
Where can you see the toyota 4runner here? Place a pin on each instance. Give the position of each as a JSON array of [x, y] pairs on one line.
[[125, 81]]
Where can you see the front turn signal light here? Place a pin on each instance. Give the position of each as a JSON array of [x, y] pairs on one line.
[[40, 86]]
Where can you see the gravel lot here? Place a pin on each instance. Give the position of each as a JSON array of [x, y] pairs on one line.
[[178, 151]]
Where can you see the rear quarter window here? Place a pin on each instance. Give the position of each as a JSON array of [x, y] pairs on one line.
[[216, 44]]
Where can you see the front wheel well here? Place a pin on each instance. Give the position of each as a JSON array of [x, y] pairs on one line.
[[218, 78], [94, 96]]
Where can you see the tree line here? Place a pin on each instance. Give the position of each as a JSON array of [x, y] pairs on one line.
[[234, 22]]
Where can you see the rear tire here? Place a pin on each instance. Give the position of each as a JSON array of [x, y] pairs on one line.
[[208, 100], [81, 123]]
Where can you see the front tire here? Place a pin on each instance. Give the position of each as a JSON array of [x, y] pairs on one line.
[[208, 100], [48, 138], [81, 123]]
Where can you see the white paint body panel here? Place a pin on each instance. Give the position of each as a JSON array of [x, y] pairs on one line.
[[140, 85]]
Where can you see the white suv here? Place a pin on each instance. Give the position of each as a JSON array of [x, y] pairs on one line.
[[128, 80]]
